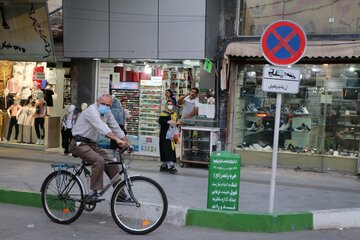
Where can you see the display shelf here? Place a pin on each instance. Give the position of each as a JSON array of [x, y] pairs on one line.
[[150, 107], [197, 144], [132, 104]]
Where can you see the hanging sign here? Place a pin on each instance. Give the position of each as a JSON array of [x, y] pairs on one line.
[[208, 65]]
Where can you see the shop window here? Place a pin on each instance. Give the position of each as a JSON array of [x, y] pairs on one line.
[[323, 118]]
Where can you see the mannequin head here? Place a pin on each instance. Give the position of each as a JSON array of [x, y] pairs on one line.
[[39, 95], [83, 106], [71, 108]]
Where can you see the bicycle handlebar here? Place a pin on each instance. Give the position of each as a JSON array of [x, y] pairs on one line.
[[128, 147]]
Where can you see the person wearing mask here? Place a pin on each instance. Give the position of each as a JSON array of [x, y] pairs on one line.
[[167, 118], [67, 123], [94, 121], [190, 104]]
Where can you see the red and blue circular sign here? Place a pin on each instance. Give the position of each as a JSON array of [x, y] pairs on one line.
[[283, 43]]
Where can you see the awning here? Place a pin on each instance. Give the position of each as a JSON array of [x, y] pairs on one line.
[[314, 49]]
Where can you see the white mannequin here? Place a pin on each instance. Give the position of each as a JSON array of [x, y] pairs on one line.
[[71, 108], [83, 106], [67, 123]]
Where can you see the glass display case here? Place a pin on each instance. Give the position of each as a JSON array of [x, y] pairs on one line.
[[132, 104], [150, 106], [197, 144], [323, 118]]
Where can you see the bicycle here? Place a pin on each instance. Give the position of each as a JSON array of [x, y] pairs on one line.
[[138, 204]]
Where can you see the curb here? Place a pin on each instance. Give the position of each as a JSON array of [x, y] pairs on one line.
[[250, 222], [336, 218], [230, 221]]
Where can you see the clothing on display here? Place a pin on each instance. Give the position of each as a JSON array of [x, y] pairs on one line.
[[13, 112], [48, 96], [50, 75], [12, 86], [67, 122], [40, 112]]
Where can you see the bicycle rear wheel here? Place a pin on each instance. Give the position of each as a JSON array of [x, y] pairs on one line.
[[61, 196], [145, 212]]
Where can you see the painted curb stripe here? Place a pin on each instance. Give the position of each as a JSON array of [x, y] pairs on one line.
[[250, 222], [32, 199], [232, 221]]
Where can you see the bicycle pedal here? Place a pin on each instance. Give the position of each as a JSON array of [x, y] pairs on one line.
[[94, 198]]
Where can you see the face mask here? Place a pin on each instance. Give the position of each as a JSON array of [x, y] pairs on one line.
[[170, 107], [103, 109]]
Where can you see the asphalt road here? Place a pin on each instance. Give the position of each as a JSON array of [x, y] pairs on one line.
[[28, 223]]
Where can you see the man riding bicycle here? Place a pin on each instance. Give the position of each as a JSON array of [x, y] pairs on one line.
[[95, 120]]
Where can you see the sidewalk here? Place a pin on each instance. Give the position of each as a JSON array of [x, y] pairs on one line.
[[296, 191]]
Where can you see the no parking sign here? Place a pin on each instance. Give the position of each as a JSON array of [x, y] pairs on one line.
[[283, 43]]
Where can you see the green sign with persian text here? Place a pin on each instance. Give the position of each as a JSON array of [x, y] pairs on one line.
[[224, 181]]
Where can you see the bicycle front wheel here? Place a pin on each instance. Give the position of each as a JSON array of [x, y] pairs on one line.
[[140, 208], [61, 197]]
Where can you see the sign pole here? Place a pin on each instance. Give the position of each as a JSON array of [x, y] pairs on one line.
[[275, 151], [283, 43]]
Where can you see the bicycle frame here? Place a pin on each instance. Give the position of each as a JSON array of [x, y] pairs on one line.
[[65, 195], [113, 182]]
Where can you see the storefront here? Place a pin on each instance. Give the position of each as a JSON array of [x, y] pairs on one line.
[[30, 74], [27, 85], [319, 127], [143, 84]]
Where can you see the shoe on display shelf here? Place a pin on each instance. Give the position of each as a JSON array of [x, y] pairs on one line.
[[302, 110], [250, 108], [286, 110], [302, 128], [254, 127], [257, 147], [284, 126], [267, 148]]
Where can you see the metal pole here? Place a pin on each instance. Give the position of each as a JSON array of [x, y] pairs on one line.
[[275, 151]]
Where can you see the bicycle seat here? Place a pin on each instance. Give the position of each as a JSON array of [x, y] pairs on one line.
[[85, 163]]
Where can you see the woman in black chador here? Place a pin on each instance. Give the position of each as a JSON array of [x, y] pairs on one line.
[[167, 147]]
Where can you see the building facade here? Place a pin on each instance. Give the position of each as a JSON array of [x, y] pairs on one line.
[[319, 126]]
